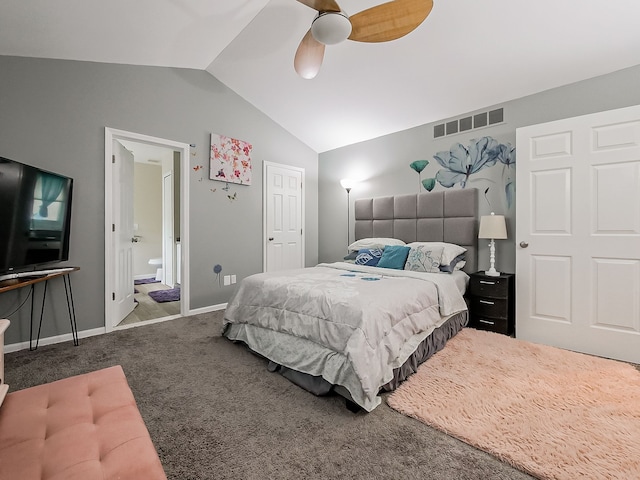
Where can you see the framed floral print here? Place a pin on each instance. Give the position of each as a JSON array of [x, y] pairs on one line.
[[230, 160]]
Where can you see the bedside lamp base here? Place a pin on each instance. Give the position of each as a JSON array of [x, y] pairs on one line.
[[492, 269]]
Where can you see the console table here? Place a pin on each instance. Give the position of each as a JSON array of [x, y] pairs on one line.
[[31, 282], [4, 388]]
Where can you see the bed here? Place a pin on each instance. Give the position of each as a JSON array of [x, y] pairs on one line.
[[358, 330]]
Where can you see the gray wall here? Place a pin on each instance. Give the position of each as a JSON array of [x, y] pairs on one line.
[[382, 164], [53, 114]]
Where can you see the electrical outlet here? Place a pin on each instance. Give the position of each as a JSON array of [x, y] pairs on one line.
[[227, 280], [233, 279]]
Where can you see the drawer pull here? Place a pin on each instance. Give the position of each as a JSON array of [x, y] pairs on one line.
[[486, 321], [487, 302], [487, 283]]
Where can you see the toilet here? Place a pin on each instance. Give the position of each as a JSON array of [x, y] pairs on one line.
[[157, 262]]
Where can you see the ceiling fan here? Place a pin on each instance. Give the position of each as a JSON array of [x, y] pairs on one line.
[[381, 23]]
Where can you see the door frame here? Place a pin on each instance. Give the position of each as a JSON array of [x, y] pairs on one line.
[[111, 134], [265, 197], [168, 270]]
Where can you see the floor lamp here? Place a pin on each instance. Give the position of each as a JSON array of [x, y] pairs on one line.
[[492, 226], [347, 185]]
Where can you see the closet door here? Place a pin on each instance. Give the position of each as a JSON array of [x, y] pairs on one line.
[[578, 234], [283, 217]]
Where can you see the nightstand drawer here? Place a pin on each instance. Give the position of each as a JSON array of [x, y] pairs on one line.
[[497, 287], [490, 307], [492, 324]]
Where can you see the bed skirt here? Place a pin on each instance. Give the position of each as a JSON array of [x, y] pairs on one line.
[[430, 345]]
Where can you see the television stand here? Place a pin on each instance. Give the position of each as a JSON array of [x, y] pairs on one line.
[[4, 388], [34, 273], [31, 279]]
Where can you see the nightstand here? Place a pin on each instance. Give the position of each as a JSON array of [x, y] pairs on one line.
[[492, 302]]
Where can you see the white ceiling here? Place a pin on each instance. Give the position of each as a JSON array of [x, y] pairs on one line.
[[467, 55]]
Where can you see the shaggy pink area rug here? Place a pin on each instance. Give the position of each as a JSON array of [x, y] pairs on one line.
[[549, 412]]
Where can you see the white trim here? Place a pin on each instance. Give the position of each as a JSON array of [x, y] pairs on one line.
[[146, 322], [15, 347], [67, 337], [142, 276], [111, 134], [267, 164], [209, 309]]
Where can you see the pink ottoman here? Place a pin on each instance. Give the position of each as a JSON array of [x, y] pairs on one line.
[[80, 428]]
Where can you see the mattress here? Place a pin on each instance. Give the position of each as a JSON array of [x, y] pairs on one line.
[[350, 325]]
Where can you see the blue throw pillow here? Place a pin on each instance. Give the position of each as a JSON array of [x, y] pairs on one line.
[[394, 256], [369, 256]]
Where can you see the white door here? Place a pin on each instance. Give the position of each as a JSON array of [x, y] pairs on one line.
[[123, 235], [578, 234], [167, 230], [283, 217]]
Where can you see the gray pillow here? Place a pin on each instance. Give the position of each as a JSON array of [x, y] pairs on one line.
[[452, 266]]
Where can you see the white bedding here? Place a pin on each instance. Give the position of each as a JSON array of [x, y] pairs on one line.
[[350, 324]]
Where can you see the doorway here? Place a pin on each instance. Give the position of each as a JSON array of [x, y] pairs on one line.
[[146, 223]]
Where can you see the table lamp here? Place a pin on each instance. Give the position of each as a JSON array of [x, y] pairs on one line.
[[494, 227]]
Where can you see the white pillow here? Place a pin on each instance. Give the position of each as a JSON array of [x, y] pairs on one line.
[[450, 251], [460, 265], [373, 243]]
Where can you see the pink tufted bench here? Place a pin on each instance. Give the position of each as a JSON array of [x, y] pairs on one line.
[[81, 428]]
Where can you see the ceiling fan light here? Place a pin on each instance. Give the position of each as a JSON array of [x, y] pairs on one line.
[[331, 27]]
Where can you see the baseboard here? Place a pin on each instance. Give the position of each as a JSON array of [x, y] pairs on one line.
[[14, 347], [210, 308], [145, 275]]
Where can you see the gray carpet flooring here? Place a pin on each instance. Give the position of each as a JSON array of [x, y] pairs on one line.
[[215, 412]]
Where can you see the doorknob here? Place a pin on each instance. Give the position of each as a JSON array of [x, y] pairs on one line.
[[524, 244], [271, 239], [135, 239]]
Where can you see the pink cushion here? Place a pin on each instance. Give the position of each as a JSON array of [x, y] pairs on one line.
[[84, 427]]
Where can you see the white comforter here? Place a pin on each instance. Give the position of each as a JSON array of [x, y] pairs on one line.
[[350, 324]]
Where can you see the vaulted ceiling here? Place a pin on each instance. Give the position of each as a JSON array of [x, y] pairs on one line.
[[467, 54]]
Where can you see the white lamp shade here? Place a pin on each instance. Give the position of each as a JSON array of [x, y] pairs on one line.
[[492, 226]]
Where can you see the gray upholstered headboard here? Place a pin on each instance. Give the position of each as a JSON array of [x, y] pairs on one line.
[[448, 216]]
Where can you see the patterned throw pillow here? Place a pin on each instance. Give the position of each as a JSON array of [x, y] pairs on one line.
[[369, 256], [423, 258], [450, 251]]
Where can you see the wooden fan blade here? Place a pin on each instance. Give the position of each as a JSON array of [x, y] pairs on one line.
[[322, 5], [389, 21], [309, 56]]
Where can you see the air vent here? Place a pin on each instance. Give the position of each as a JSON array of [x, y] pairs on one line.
[[466, 124]]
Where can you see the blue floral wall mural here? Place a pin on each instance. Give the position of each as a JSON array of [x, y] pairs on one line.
[[419, 166], [460, 163]]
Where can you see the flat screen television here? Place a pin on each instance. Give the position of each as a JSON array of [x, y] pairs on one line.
[[35, 217]]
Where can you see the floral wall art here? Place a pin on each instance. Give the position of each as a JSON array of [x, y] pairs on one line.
[[230, 160], [462, 165]]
